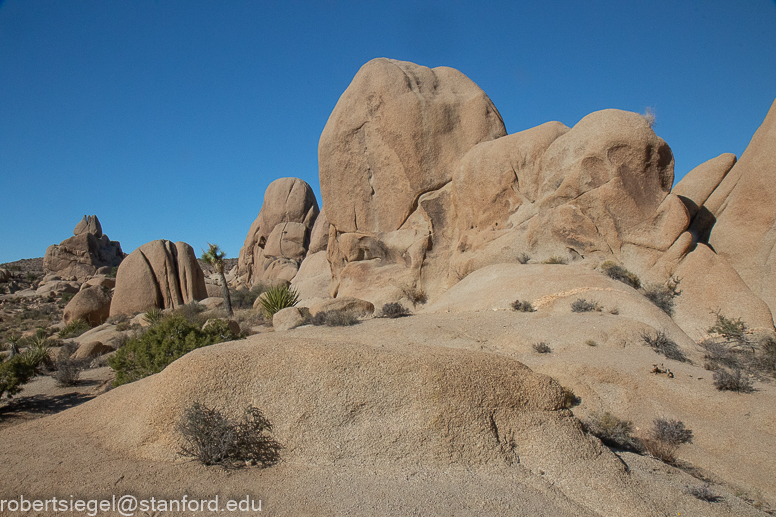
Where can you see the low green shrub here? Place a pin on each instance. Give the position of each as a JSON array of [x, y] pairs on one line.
[[154, 315], [556, 260], [214, 439], [19, 369], [731, 330], [278, 297], [618, 272], [172, 337]]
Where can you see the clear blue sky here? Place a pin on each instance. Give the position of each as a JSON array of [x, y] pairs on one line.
[[168, 119]]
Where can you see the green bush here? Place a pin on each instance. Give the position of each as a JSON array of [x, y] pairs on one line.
[[19, 369], [730, 329], [163, 343], [66, 297], [618, 272], [154, 315], [556, 260], [112, 272], [74, 329], [278, 297], [214, 439]]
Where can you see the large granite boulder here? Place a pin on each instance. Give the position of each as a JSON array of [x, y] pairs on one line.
[[158, 274], [279, 237], [83, 254], [397, 134], [745, 213]]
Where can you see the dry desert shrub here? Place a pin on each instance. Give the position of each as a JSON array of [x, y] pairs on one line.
[[414, 294], [394, 310], [613, 431], [69, 371], [542, 348], [74, 329], [665, 438], [663, 295], [335, 319], [582, 305], [523, 258], [618, 272], [522, 306], [733, 380], [703, 492], [556, 260], [213, 439], [662, 344]]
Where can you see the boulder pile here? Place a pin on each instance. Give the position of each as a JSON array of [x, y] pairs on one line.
[[82, 255]]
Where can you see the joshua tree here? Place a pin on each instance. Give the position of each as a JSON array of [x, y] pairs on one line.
[[215, 257]]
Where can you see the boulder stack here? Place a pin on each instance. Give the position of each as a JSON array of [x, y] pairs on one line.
[[279, 238], [83, 254]]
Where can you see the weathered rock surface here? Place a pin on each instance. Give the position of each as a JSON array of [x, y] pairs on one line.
[[92, 305], [158, 274], [746, 213], [314, 276], [279, 237], [84, 253], [397, 131], [57, 288], [709, 285]]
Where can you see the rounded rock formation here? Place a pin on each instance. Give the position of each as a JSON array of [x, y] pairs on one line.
[[158, 274]]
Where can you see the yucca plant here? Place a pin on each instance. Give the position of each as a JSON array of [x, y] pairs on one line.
[[278, 297], [154, 315], [215, 257]]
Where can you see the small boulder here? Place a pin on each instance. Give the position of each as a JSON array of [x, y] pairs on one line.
[[91, 350], [5, 275], [100, 280], [288, 318], [56, 288], [91, 305]]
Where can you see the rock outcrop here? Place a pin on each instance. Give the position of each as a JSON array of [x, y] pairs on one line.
[[83, 254], [279, 238], [158, 274], [421, 186], [745, 213]]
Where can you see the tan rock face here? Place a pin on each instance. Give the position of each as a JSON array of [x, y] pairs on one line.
[[91, 350], [745, 213], [92, 305], [279, 237], [158, 274], [399, 130], [709, 284], [84, 253]]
